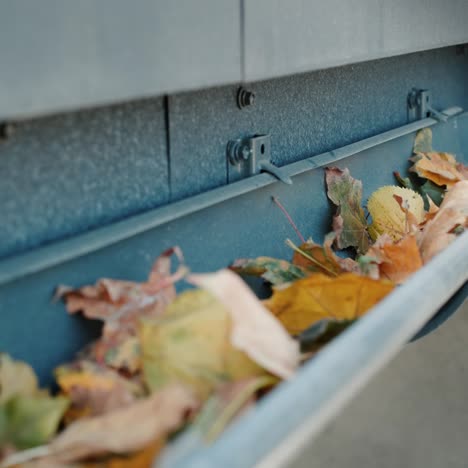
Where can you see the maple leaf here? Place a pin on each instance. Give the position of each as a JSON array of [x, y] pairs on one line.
[[394, 211], [396, 260], [446, 223], [349, 222], [318, 297], [121, 304], [273, 270]]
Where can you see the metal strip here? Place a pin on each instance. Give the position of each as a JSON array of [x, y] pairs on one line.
[[288, 418], [59, 252]]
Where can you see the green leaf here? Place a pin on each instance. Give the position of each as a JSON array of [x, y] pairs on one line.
[[27, 421], [321, 333], [435, 192], [273, 270], [349, 223]]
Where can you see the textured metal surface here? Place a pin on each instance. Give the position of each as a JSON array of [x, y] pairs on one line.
[[305, 114], [69, 173], [59, 55], [283, 38], [35, 329]]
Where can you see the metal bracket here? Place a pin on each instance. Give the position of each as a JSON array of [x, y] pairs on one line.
[[420, 106], [249, 156]]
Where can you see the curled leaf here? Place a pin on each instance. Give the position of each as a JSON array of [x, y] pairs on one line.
[[349, 222], [396, 260], [441, 229], [321, 258], [440, 168], [191, 344], [318, 297], [254, 330], [121, 304], [390, 207]]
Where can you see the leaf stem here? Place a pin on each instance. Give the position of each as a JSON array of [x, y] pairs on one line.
[[288, 217], [297, 249]]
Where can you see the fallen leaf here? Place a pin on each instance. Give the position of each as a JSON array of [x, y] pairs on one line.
[[254, 330], [120, 305], [396, 260], [438, 232], [273, 270], [191, 344], [390, 207], [16, 378], [423, 141], [122, 431], [440, 168], [229, 401], [321, 258], [27, 421], [94, 390], [349, 222], [318, 297]]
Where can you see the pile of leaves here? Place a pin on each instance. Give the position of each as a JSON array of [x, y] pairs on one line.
[[167, 363]]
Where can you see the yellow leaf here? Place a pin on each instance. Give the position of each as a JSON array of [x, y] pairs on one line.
[[387, 214], [309, 300], [16, 378], [191, 344]]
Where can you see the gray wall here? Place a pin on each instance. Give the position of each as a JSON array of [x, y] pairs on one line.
[[59, 55]]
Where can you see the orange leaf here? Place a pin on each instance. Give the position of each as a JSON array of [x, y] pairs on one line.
[[322, 259], [440, 168], [438, 232], [396, 260], [309, 300]]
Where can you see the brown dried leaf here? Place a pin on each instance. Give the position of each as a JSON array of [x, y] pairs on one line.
[[440, 168], [396, 260], [121, 304], [438, 232]]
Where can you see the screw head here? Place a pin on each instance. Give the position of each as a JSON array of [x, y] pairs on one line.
[[6, 130], [245, 98]]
